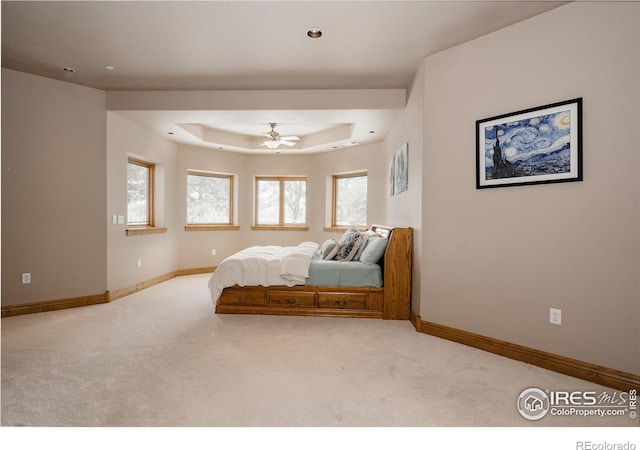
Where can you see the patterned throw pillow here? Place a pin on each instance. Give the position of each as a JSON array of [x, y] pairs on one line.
[[329, 249], [349, 244], [365, 239]]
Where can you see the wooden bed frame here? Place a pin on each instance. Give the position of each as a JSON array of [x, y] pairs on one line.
[[392, 301]]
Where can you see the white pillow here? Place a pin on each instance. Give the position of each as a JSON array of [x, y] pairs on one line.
[[374, 250]]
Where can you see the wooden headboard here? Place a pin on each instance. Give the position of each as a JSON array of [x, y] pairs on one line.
[[397, 270]]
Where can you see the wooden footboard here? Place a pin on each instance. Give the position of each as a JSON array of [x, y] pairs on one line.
[[392, 301]]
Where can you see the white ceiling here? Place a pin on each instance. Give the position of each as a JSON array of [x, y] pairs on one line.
[[247, 45]]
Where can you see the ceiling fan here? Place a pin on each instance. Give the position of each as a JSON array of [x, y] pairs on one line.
[[274, 139]]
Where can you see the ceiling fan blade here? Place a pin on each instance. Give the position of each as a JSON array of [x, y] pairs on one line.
[[290, 138], [287, 143]]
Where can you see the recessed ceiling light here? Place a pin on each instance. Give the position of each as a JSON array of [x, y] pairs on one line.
[[314, 33], [109, 67], [68, 69]]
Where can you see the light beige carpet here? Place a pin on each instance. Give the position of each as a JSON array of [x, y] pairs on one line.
[[162, 357]]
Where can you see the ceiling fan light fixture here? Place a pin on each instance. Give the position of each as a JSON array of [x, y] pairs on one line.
[[273, 138], [271, 144], [314, 33]]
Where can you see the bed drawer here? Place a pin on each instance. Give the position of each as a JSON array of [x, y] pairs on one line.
[[291, 299], [341, 300], [242, 297]]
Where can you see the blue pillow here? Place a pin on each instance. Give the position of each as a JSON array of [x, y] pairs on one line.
[[374, 250]]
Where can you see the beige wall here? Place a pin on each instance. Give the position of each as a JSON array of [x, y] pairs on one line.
[[405, 209], [158, 252], [366, 157], [195, 246], [495, 260], [180, 249], [53, 189]]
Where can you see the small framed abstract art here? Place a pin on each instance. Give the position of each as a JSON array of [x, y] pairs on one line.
[[532, 146], [401, 165]]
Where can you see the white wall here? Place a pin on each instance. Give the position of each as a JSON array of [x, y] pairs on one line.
[[494, 261], [53, 189]]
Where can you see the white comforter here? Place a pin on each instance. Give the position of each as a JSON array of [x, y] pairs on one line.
[[263, 266]]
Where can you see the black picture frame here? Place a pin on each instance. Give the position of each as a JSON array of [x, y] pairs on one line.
[[538, 145]]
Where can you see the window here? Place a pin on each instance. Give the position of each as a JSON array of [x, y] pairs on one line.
[[209, 200], [139, 193], [349, 206], [281, 202], [141, 179]]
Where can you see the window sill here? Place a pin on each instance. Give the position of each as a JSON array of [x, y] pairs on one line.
[[145, 230], [211, 227], [342, 229], [279, 228]]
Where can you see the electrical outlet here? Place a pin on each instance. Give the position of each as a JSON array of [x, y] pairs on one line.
[[139, 264], [213, 252], [555, 316], [26, 278], [114, 219]]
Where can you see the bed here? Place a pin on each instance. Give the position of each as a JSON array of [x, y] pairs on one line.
[[307, 280]]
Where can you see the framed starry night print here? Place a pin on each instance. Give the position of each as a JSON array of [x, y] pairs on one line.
[[532, 146]]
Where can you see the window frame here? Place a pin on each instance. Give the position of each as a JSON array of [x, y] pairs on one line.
[[150, 226], [334, 193], [151, 181], [214, 226], [281, 225]]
